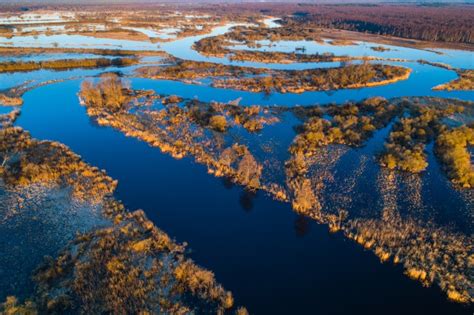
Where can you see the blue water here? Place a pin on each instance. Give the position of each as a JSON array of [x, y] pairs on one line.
[[274, 261]]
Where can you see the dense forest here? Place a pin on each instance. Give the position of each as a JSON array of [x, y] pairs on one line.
[[447, 24]]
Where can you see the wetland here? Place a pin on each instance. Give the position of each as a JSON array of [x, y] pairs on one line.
[[178, 160]]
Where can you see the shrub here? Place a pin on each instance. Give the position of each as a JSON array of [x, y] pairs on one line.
[[218, 123]]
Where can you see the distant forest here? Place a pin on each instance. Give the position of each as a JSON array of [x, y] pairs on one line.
[[442, 23], [432, 22]]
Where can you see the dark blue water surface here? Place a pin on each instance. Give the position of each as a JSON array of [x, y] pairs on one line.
[[274, 261]]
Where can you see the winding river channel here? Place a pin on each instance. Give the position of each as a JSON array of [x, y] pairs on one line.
[[273, 260]]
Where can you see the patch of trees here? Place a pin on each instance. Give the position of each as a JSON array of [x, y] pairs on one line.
[[218, 123], [405, 148], [184, 128], [298, 81], [283, 81], [13, 66], [110, 92], [220, 116], [247, 170], [452, 149], [349, 124]]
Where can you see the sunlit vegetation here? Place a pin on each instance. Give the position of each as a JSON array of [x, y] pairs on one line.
[[405, 149], [352, 76], [65, 64], [126, 265], [12, 307], [184, 70], [436, 64], [110, 92], [428, 254], [189, 127], [132, 267], [115, 33], [189, 130], [7, 120], [26, 161], [218, 123], [426, 251], [290, 81], [350, 124], [10, 100], [452, 149], [220, 46], [465, 82]]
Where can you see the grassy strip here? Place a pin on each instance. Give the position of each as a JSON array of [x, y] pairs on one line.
[[65, 64]]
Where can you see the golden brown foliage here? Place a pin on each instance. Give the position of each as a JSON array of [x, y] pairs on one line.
[[465, 82], [131, 267], [65, 64], [406, 144], [110, 92], [27, 161], [452, 149]]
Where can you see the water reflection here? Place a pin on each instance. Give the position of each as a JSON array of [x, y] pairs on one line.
[[246, 200], [302, 226], [227, 183]]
